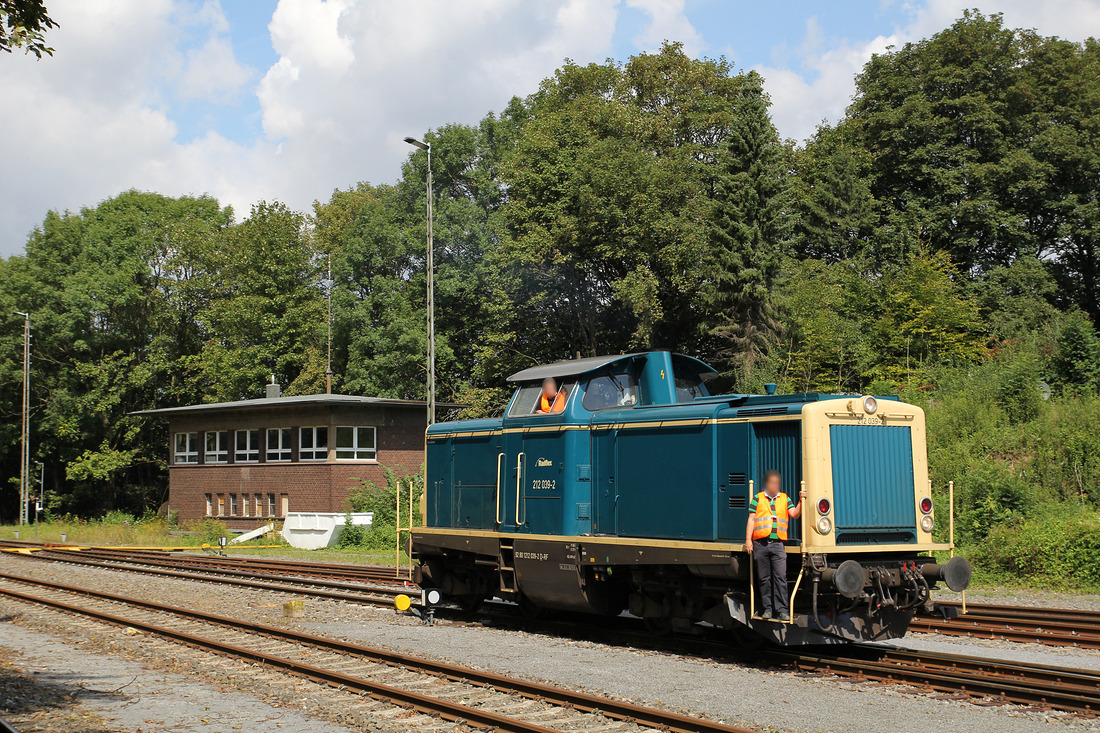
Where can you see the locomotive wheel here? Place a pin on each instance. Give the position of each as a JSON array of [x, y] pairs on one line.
[[529, 610], [748, 639], [468, 604], [658, 626]]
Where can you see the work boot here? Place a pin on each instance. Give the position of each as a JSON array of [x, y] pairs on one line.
[[784, 616], [767, 615]]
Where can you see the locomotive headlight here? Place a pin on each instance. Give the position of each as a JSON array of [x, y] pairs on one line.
[[824, 525], [926, 522], [870, 404]]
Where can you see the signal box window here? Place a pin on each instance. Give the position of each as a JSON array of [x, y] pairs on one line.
[[278, 444], [313, 444], [233, 505], [611, 390], [187, 448], [217, 446], [271, 505], [355, 443], [528, 400], [248, 446]]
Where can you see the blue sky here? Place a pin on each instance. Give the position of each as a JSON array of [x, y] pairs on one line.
[[291, 99]]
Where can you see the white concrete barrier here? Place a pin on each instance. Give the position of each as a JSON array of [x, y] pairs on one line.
[[316, 530], [259, 532]]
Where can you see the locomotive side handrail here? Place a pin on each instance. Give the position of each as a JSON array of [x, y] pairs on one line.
[[497, 516], [519, 489]]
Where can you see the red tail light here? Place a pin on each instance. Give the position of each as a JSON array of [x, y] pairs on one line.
[[926, 505], [823, 506]]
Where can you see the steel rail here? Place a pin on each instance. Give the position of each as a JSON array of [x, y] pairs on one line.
[[381, 597], [585, 702], [332, 572], [1022, 683], [1051, 634], [222, 571]]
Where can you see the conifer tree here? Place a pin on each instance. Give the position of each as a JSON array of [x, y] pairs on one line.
[[749, 233]]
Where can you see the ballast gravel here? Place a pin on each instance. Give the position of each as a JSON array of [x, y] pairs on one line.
[[67, 689], [773, 700]]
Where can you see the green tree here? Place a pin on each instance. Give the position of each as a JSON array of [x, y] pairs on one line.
[[109, 336], [265, 313], [23, 23], [982, 142], [610, 189], [748, 239], [836, 211], [1077, 359]]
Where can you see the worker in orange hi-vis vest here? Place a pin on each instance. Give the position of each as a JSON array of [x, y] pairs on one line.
[[553, 399], [770, 512]]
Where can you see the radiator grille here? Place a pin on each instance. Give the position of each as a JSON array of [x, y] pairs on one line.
[[737, 479], [738, 502]]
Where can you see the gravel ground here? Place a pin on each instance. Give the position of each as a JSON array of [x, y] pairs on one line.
[[1016, 597], [58, 687], [776, 700]]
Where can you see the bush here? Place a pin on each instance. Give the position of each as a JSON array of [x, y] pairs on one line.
[[382, 501], [208, 530], [352, 535], [1055, 547]]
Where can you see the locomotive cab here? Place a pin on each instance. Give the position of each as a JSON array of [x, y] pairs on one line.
[[634, 495]]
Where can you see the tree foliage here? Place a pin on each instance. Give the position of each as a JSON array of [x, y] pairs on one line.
[[23, 24], [940, 241]]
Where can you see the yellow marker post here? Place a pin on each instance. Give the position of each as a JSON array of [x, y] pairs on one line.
[[951, 529]]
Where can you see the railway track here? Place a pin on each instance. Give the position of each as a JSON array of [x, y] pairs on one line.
[[1053, 627], [1050, 626], [209, 561], [407, 681], [1038, 686], [962, 676], [374, 594]]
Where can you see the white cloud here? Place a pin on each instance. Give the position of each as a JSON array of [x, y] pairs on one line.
[[823, 87], [353, 78], [667, 21]]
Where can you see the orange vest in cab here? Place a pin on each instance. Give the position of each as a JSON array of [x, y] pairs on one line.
[[558, 406]]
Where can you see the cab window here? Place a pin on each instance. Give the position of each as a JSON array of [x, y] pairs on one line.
[[688, 381], [611, 390], [689, 388], [528, 399]]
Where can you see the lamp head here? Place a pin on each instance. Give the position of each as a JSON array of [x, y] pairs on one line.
[[417, 143]]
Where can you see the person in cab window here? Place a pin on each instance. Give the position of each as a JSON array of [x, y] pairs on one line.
[[552, 399], [770, 512]]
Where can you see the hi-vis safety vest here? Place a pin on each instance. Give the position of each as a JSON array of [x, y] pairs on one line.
[[558, 406], [765, 520]]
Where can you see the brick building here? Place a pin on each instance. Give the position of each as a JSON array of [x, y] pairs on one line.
[[252, 461]]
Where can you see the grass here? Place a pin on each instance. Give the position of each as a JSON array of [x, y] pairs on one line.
[[159, 533]]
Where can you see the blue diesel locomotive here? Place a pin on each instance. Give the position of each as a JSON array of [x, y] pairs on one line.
[[631, 492]]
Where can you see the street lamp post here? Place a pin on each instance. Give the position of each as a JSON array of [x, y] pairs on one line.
[[431, 285], [25, 451]]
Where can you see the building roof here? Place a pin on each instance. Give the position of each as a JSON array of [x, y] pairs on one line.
[[291, 401]]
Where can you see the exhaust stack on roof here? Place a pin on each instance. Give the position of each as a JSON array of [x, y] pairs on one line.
[[273, 389]]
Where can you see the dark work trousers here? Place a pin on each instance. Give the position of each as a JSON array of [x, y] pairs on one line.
[[771, 574]]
